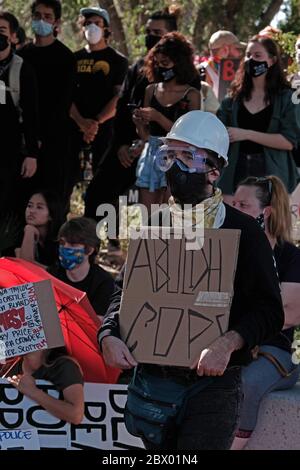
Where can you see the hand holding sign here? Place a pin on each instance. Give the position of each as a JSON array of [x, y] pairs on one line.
[[116, 353], [214, 359]]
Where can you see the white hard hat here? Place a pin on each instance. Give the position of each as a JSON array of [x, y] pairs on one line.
[[203, 130]]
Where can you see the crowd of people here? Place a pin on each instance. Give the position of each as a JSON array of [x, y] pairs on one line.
[[60, 103]]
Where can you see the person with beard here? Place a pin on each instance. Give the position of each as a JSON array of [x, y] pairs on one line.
[[18, 114], [207, 413], [118, 171], [261, 118]]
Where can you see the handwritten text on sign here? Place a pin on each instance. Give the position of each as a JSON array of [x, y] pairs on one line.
[[21, 329], [176, 301]]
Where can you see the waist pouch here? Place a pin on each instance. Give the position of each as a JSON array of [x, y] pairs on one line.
[[155, 405]]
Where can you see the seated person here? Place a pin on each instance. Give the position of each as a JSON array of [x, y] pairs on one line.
[[267, 200], [56, 366], [78, 246], [43, 219]]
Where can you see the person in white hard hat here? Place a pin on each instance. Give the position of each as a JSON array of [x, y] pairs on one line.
[[177, 408]]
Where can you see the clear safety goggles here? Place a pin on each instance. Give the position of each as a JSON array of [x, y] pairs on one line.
[[188, 159]]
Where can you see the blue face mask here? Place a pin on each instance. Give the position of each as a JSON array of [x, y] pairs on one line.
[[41, 27], [70, 257]]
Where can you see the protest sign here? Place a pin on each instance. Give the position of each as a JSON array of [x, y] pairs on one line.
[[228, 68], [101, 428], [28, 319], [19, 439], [176, 301]]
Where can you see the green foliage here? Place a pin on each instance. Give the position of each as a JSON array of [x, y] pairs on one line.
[[292, 19], [199, 19]]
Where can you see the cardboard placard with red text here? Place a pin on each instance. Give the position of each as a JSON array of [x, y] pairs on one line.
[[228, 69], [28, 319]]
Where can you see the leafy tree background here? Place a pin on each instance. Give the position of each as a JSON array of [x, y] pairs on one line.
[[198, 20]]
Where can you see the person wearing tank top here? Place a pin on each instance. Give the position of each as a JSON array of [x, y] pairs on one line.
[[170, 66]]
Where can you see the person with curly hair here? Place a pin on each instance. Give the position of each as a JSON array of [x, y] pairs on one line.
[[170, 69]]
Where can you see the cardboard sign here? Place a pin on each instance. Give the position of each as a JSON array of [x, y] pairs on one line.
[[19, 439], [176, 301], [228, 68], [102, 427], [28, 320]]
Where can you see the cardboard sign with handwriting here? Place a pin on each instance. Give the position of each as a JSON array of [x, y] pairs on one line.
[[176, 301], [28, 319]]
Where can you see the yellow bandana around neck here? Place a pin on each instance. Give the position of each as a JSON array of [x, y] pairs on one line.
[[211, 209]]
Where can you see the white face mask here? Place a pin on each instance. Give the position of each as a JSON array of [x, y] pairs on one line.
[[93, 33]]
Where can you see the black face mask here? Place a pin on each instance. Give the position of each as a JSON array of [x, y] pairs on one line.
[[187, 188], [261, 221], [151, 40], [165, 75], [3, 42], [254, 68]]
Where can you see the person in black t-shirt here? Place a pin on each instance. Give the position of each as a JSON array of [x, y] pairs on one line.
[[59, 368], [54, 65], [18, 98], [100, 73], [78, 244], [267, 200]]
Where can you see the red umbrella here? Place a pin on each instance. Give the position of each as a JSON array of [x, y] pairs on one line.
[[78, 319]]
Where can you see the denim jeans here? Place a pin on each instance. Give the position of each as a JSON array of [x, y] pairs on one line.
[[210, 417], [260, 378]]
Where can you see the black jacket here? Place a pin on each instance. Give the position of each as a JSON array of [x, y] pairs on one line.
[[256, 311]]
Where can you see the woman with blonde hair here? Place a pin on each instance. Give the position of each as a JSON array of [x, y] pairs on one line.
[[266, 199]]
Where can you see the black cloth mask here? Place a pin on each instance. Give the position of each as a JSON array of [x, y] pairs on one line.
[[255, 68], [3, 42], [165, 75], [151, 40], [187, 188]]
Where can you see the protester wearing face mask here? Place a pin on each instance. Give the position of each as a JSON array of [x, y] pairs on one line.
[[170, 65], [195, 151], [101, 70], [120, 161], [18, 97], [267, 201], [222, 45], [261, 119], [78, 246], [54, 66]]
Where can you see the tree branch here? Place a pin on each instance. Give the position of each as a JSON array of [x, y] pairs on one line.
[[267, 16], [116, 26]]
